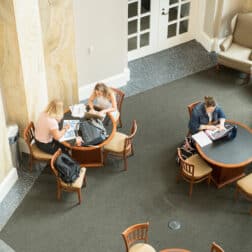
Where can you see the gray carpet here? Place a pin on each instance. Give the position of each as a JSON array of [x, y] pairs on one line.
[[113, 199]]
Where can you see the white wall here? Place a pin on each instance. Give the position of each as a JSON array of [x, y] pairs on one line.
[[101, 39], [230, 8]]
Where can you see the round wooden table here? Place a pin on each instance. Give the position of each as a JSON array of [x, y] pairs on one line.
[[229, 157], [89, 156], [174, 250]]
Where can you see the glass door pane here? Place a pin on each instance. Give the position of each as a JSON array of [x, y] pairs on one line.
[[139, 20]]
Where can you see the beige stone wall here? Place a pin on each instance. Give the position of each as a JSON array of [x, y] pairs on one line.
[[248, 5], [5, 157], [11, 78], [59, 48]]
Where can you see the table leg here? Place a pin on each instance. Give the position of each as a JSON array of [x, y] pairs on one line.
[[224, 176], [88, 158]]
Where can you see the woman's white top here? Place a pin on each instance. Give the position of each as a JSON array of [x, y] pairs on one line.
[[105, 103]]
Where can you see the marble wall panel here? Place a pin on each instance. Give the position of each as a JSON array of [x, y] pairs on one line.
[[5, 157], [11, 78], [59, 48]]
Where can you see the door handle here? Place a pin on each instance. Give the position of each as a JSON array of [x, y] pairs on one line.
[[163, 12]]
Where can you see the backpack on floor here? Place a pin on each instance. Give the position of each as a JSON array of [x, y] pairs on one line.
[[187, 148], [68, 169]]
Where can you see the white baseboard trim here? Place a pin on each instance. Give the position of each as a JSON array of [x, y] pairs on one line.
[[207, 42], [118, 80], [8, 182]]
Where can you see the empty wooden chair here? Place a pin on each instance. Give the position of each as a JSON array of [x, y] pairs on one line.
[[193, 170], [71, 187], [121, 145], [119, 100], [35, 153], [244, 186], [216, 248], [136, 237]]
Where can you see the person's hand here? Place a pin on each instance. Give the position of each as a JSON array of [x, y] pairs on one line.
[[79, 141], [220, 127], [211, 127], [67, 126]]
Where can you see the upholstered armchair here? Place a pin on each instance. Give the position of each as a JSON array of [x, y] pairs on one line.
[[236, 49]]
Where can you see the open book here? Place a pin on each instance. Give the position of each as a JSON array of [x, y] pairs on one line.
[[70, 133], [78, 110], [202, 138]]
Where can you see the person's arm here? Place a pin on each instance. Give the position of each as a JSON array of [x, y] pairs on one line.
[[91, 101], [221, 118], [57, 134], [207, 127]]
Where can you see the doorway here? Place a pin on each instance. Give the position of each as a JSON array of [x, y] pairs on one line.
[[158, 25]]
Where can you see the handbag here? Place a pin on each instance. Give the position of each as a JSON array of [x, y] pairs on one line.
[[92, 132]]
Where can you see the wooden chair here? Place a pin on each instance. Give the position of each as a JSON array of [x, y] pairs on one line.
[[193, 170], [174, 250], [121, 145], [35, 152], [136, 237], [119, 100], [216, 248], [72, 187], [244, 186], [191, 106]]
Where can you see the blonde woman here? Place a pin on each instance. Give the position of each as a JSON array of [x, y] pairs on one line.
[[103, 98], [47, 131]]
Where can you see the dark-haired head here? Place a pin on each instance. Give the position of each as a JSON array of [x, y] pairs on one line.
[[210, 104], [209, 101]]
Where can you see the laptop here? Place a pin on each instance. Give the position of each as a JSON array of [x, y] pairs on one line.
[[215, 135]]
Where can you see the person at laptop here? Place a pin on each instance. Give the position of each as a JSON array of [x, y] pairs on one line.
[[104, 99], [207, 115], [47, 131]]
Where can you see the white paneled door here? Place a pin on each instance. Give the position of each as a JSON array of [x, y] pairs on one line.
[[176, 22], [157, 25]]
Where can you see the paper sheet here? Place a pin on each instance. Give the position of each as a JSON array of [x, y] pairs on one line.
[[202, 139]]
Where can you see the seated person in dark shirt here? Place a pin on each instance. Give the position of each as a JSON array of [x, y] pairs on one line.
[[207, 116]]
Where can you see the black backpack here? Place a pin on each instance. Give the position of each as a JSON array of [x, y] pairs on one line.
[[68, 169]]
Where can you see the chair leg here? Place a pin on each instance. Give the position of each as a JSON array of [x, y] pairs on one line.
[[105, 155], [248, 78], [209, 180], [79, 195], [120, 122], [125, 163], [30, 163], [58, 193], [178, 178], [191, 189], [218, 67], [236, 193], [85, 181]]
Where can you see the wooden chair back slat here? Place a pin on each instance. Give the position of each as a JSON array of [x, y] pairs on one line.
[[135, 233], [186, 168], [191, 106], [216, 248]]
